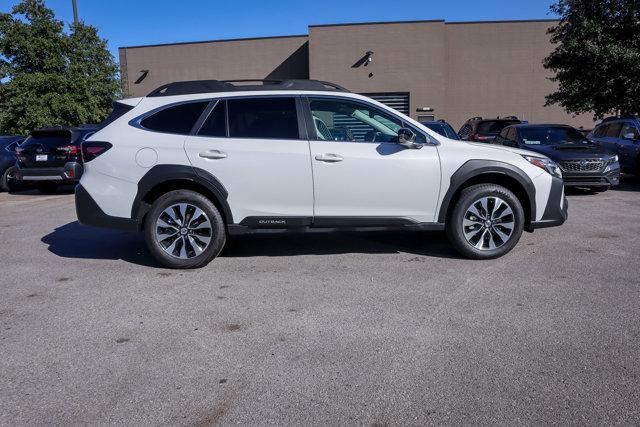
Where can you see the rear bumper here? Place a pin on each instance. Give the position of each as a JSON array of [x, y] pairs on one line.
[[557, 210], [89, 213], [70, 172]]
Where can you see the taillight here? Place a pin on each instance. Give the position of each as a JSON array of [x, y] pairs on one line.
[[92, 149], [478, 137], [71, 150]]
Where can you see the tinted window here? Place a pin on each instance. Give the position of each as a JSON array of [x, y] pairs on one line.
[[49, 139], [629, 129], [177, 119], [614, 130], [465, 131], [215, 125], [12, 147], [263, 118], [494, 126], [601, 130], [342, 120]]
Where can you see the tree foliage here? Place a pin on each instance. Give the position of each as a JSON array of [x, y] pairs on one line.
[[51, 76], [597, 58]]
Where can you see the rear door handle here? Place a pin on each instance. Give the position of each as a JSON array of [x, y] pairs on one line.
[[213, 154], [329, 158]]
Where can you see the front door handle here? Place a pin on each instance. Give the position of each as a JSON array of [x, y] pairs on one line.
[[213, 154], [329, 158]]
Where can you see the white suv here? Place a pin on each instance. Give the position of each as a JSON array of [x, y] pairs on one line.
[[193, 162]]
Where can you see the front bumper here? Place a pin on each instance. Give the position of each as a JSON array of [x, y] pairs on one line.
[[609, 179], [557, 210], [70, 172], [89, 213]]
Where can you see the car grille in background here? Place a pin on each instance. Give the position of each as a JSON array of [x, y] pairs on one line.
[[582, 165]]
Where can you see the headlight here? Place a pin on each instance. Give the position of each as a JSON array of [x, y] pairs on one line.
[[614, 159], [546, 164]]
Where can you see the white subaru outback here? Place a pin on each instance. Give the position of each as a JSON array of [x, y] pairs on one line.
[[193, 162]]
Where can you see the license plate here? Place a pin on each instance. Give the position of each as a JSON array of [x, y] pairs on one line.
[[41, 157]]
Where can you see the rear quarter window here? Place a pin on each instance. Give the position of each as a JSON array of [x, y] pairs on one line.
[[177, 119]]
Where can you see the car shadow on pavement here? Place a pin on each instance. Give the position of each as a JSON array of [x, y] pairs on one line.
[[73, 240], [628, 183], [421, 243]]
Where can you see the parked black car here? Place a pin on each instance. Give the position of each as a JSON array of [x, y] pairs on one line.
[[478, 129], [442, 127], [583, 163], [622, 136], [51, 156], [8, 145]]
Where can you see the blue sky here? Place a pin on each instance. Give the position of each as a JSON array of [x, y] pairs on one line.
[[136, 22]]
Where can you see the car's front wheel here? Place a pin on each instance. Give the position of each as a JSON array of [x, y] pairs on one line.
[[184, 229], [486, 222]]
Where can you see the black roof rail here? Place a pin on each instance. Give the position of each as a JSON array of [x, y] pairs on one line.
[[207, 86], [510, 118], [475, 118]]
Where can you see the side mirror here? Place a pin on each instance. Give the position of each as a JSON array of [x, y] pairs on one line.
[[407, 139]]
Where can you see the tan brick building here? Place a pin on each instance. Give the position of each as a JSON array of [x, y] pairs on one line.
[[460, 69]]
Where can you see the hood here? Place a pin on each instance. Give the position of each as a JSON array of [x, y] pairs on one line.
[[504, 148], [571, 151]]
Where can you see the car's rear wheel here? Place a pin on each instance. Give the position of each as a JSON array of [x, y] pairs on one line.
[[184, 229], [486, 222], [8, 180]]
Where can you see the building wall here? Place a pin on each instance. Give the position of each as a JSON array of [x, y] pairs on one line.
[[264, 58], [407, 57], [461, 70]]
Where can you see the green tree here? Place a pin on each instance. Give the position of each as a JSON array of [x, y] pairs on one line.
[[597, 58], [51, 76]]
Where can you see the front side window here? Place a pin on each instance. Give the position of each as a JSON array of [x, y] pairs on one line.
[[343, 120], [178, 119], [629, 131], [272, 118], [601, 130]]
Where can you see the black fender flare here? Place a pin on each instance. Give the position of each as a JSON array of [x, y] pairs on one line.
[[165, 173], [473, 168]]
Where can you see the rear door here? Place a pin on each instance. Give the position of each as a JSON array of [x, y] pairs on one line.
[[629, 145], [257, 148], [361, 175], [48, 149]]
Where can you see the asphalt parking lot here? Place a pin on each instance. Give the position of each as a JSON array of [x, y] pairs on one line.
[[373, 328]]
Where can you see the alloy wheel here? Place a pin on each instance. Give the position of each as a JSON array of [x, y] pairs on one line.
[[488, 223], [183, 230]]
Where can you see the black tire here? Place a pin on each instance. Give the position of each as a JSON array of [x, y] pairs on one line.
[[184, 254], [8, 181], [47, 187], [456, 230]]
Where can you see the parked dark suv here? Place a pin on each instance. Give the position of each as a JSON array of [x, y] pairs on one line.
[[51, 156], [478, 129], [622, 136], [8, 145], [442, 127], [583, 163]]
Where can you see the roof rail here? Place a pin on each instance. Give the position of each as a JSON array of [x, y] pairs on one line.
[[208, 86], [475, 118], [510, 118], [608, 119]]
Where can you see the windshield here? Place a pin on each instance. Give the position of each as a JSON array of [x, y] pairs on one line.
[[551, 136]]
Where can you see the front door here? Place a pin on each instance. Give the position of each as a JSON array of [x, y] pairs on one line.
[[254, 147], [361, 175]]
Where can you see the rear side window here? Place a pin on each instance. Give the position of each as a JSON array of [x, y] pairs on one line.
[[178, 119], [216, 123], [273, 118], [465, 131], [494, 126], [614, 130]]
